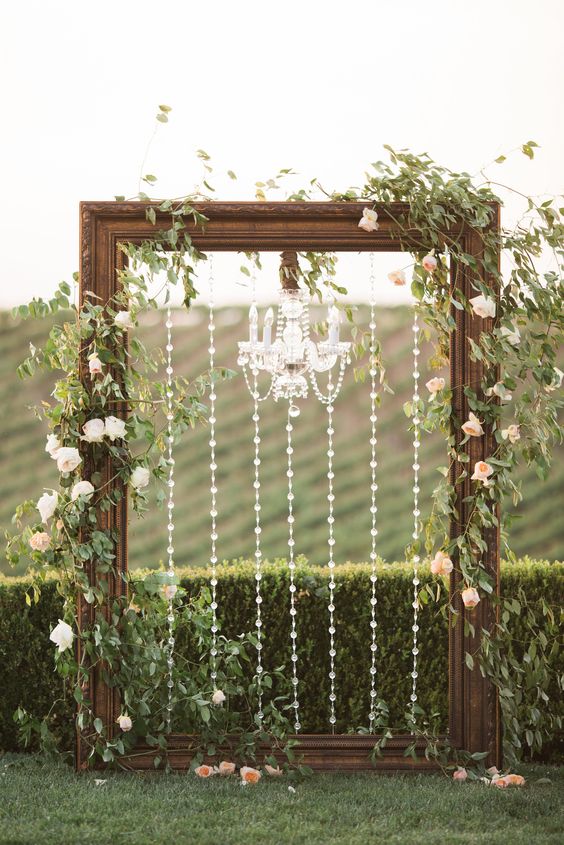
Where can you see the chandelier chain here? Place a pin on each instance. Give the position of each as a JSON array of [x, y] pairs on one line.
[[292, 568], [171, 588], [213, 480], [416, 511], [373, 489]]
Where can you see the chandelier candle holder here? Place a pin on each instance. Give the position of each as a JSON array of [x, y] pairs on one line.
[[291, 357]]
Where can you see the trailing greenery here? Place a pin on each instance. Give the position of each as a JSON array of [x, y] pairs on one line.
[[103, 377], [30, 682]]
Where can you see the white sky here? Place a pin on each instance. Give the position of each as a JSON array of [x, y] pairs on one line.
[[318, 86]]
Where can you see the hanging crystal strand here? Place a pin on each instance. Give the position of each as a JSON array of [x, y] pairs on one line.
[[258, 551], [170, 507], [292, 567], [213, 485], [331, 562], [373, 489], [416, 512]]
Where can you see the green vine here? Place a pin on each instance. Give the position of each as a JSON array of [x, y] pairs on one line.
[[86, 428]]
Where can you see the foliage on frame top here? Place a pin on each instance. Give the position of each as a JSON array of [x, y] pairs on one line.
[[522, 317]]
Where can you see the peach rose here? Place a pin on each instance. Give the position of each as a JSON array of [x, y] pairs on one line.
[[429, 263], [441, 564], [250, 775], [470, 597], [483, 306], [272, 771], [514, 780], [40, 541], [434, 385], [473, 426], [397, 277], [226, 768], [511, 433], [95, 366], [460, 774], [204, 771], [368, 220], [169, 591], [482, 471]]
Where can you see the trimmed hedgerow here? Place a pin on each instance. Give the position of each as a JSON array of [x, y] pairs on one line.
[[29, 678]]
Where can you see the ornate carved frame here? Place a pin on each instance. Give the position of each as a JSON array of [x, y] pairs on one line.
[[474, 721]]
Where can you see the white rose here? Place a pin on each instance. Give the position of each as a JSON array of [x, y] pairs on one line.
[[46, 505], [483, 306], [368, 220], [123, 320], [62, 635], [169, 591], [512, 433], [114, 428], [68, 459], [94, 431], [95, 366], [500, 390], [81, 488], [140, 477], [512, 335], [218, 697], [124, 722], [53, 445], [435, 384]]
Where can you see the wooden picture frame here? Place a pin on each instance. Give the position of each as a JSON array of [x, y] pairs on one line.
[[474, 718]]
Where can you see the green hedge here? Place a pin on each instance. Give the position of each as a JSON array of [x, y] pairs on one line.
[[29, 679]]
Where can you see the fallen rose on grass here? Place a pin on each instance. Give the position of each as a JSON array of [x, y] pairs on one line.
[[250, 775], [226, 768], [273, 771], [204, 771], [460, 774]]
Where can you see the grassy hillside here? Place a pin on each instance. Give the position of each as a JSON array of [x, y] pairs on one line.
[[25, 469]]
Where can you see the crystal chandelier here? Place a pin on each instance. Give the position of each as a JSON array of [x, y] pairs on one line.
[[292, 358]]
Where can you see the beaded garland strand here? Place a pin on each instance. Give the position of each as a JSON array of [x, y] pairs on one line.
[[416, 511], [170, 507], [213, 481], [373, 489]]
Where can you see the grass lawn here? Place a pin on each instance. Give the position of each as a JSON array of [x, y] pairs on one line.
[[43, 803]]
